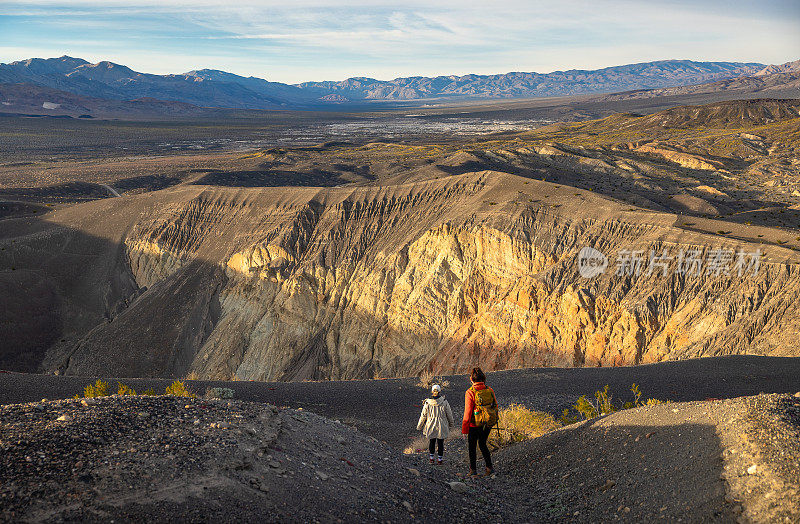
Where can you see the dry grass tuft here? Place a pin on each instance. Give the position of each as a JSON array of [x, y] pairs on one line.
[[418, 445], [428, 379], [123, 389]]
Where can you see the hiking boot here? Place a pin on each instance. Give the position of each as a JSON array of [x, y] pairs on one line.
[[431, 460], [439, 462], [473, 474], [489, 472]]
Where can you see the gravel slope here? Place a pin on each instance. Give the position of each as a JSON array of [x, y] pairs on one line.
[[394, 404], [169, 459], [680, 461], [173, 459]]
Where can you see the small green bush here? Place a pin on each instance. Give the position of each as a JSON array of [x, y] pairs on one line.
[[98, 389], [219, 393], [122, 389], [585, 409], [566, 418], [178, 389], [603, 401]]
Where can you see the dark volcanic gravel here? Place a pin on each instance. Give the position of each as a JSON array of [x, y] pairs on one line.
[[172, 459], [713, 461], [177, 459], [545, 389]]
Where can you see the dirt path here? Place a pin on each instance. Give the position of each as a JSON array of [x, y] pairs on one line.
[[712, 461], [168, 459], [143, 458]]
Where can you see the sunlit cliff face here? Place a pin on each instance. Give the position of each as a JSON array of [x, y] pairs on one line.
[[386, 282]]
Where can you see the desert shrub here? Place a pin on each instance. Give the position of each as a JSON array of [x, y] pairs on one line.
[[219, 393], [149, 392], [585, 408], [517, 423], [425, 379], [603, 401], [98, 389], [178, 389], [637, 394], [428, 379], [567, 417], [122, 389]]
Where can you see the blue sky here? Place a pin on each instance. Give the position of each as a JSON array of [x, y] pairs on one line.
[[299, 40]]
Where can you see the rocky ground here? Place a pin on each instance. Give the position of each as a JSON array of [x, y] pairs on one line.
[[393, 400], [177, 459], [712, 461]]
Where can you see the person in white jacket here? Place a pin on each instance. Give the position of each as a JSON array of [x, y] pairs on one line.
[[435, 421]]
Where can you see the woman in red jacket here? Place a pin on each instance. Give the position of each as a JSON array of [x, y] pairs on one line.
[[476, 435]]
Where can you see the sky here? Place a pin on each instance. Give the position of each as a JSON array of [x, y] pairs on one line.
[[302, 40]]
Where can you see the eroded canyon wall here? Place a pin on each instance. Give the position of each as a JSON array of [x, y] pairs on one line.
[[388, 281]]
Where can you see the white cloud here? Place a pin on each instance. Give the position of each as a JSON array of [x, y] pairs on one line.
[[314, 39]]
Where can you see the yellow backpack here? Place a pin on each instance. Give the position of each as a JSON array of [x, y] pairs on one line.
[[485, 413]]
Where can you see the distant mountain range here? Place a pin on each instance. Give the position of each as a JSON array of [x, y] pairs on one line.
[[772, 81], [526, 85], [117, 82], [213, 88]]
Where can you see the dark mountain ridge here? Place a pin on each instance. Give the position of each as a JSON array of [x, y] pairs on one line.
[[117, 82], [214, 88], [32, 99], [782, 84]]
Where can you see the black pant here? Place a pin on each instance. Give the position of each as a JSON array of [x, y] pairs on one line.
[[433, 443], [477, 437]]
